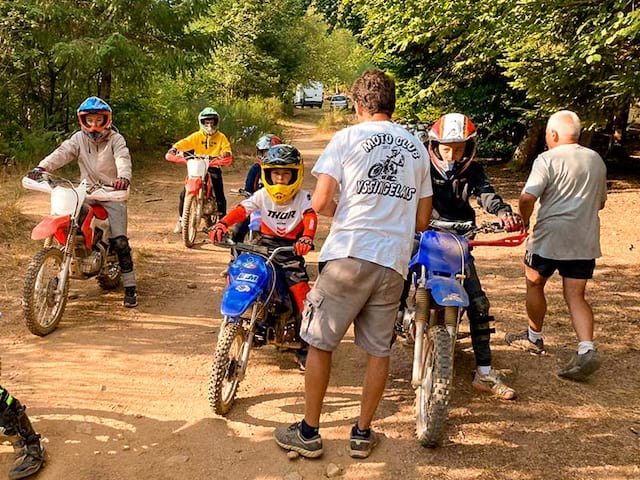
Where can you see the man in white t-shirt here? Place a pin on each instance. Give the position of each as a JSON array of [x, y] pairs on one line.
[[381, 173], [570, 183]]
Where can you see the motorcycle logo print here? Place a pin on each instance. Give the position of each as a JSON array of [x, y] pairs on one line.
[[388, 168]]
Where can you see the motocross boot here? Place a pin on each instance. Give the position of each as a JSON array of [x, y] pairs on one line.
[[29, 452]]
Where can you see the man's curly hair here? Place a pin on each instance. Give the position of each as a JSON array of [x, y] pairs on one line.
[[375, 92]]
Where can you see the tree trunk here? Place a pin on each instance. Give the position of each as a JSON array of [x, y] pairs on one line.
[[620, 120], [529, 146], [104, 83]]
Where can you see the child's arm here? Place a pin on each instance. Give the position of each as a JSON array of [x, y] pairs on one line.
[[237, 215], [305, 242]]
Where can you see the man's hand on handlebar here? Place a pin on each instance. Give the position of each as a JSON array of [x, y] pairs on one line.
[[512, 222]]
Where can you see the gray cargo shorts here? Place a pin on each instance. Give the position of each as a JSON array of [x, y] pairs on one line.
[[350, 290]]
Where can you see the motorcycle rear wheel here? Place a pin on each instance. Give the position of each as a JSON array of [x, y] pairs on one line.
[[42, 311], [432, 396], [190, 219], [226, 368]]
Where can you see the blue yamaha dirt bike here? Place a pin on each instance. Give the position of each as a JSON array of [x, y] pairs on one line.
[[434, 313], [257, 310]]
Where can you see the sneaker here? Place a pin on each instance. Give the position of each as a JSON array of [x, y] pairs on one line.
[[290, 438], [361, 446], [130, 297], [581, 366], [493, 384], [178, 227], [521, 340]]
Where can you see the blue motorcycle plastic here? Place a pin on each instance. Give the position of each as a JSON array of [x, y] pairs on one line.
[[257, 310], [433, 315]]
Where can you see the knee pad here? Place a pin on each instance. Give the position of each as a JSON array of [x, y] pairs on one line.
[[123, 251], [478, 307]]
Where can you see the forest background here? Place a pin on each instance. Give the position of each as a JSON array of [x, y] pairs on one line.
[[507, 64]]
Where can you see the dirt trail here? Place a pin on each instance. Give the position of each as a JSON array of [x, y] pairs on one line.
[[122, 394]]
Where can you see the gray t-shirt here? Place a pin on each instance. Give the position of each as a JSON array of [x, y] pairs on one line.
[[570, 182]]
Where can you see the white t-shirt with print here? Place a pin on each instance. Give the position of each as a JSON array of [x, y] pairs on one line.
[[282, 220], [382, 171]]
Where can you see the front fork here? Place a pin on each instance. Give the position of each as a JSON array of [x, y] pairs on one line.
[[248, 342], [426, 318], [68, 251]]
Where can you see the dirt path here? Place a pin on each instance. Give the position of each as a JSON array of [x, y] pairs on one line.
[[122, 394]]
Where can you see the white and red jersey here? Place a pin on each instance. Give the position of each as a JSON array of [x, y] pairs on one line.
[[289, 220]]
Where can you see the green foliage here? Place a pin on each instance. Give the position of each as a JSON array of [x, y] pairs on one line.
[[510, 61]]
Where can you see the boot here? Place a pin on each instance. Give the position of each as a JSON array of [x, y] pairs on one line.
[[130, 297], [29, 452]]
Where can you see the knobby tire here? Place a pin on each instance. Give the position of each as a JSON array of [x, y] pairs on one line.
[[190, 220], [432, 397], [224, 380], [41, 311]]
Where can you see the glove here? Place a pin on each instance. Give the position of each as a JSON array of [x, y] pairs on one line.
[[217, 232], [121, 183], [303, 245], [36, 174], [512, 222]]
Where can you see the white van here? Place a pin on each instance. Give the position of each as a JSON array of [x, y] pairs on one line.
[[311, 95]]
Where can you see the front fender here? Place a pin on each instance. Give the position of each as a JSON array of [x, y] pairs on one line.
[[193, 185], [49, 226], [448, 292], [237, 298]]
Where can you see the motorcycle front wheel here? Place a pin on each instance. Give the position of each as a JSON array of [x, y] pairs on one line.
[[42, 308], [190, 219], [432, 396], [226, 368]]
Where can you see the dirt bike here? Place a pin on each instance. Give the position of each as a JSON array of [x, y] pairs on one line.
[[76, 246], [199, 201], [257, 310], [433, 315]]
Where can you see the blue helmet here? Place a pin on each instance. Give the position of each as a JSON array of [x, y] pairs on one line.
[[95, 106]]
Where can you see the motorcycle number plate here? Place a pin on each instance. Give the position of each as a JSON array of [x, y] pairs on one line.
[[248, 277]]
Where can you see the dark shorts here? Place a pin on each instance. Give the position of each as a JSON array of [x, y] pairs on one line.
[[581, 269]]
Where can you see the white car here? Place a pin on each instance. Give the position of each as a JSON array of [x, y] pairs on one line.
[[338, 102]]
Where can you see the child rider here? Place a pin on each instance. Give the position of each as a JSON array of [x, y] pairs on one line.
[[286, 219]]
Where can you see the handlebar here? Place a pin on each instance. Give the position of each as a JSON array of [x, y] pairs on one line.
[[182, 158], [240, 191], [97, 191], [468, 230], [267, 252]]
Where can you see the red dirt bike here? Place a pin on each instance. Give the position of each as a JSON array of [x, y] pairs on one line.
[[433, 314], [76, 245], [199, 201]]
